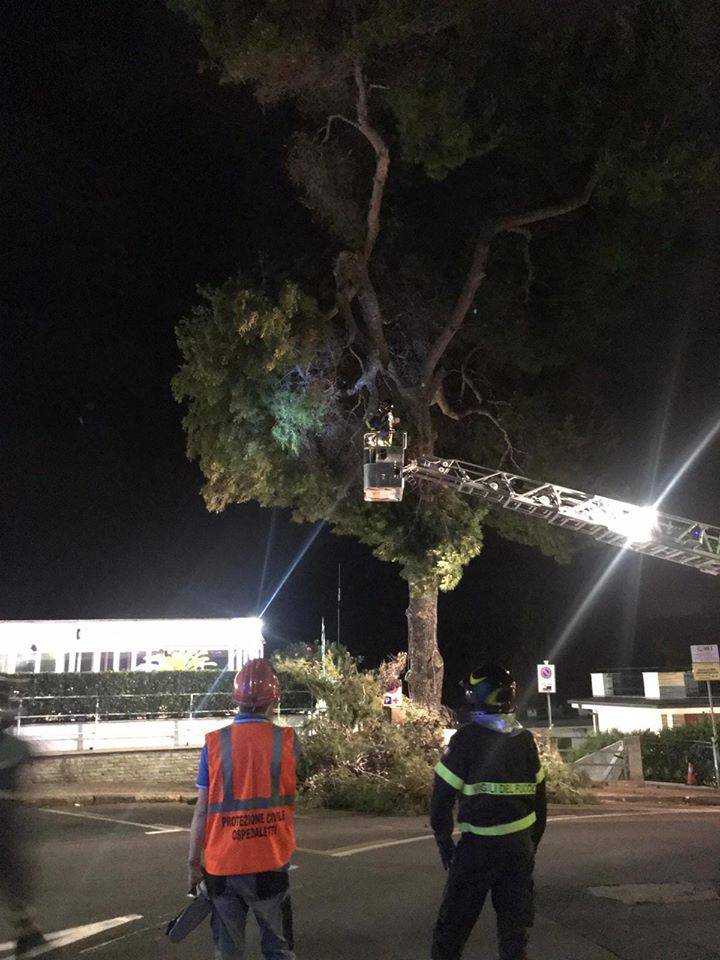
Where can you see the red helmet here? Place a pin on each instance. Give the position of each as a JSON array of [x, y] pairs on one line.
[[256, 685]]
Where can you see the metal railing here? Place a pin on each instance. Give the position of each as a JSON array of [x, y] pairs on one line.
[[98, 706]]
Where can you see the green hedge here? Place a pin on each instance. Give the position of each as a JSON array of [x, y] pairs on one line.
[[666, 755], [162, 692]]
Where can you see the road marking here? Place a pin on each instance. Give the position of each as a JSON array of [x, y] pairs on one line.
[[126, 936], [366, 847], [62, 938], [151, 829], [633, 813], [566, 818]]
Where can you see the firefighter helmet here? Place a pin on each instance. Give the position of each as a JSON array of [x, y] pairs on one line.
[[490, 689], [256, 685]]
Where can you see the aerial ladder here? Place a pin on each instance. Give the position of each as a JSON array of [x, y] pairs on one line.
[[642, 529]]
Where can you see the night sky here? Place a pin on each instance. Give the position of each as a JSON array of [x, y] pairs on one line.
[[129, 179]]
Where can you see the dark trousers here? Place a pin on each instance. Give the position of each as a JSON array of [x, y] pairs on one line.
[[267, 897], [501, 866], [15, 872]]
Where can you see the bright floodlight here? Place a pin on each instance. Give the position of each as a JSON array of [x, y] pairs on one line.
[[634, 524]]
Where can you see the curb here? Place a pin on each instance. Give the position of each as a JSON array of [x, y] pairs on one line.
[[87, 799], [659, 793]]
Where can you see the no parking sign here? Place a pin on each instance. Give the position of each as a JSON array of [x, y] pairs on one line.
[[546, 678]]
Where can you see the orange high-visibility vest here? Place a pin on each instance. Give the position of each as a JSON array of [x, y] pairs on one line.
[[250, 819]]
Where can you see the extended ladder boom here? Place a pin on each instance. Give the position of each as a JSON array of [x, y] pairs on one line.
[[641, 529]]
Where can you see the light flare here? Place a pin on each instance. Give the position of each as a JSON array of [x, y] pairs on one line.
[[314, 534]]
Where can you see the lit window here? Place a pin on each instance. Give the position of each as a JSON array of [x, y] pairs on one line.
[[106, 661], [219, 658], [47, 663], [125, 661], [86, 662]]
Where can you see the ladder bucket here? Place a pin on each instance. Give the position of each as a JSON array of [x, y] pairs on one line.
[[384, 463]]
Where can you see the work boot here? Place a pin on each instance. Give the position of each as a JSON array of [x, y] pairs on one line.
[[29, 941]]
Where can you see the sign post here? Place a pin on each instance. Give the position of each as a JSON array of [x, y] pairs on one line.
[[546, 685], [706, 666]]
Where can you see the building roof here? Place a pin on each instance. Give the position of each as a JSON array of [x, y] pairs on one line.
[[640, 702]]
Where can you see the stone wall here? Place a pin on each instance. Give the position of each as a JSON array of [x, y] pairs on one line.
[[130, 767]]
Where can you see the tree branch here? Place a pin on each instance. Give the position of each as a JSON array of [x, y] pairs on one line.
[[477, 270], [440, 399], [554, 210], [382, 162], [337, 116], [475, 276], [352, 280], [530, 276]]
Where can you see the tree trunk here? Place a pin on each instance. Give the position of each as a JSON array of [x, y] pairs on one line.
[[425, 676]]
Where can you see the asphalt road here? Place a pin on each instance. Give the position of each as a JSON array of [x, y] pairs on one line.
[[369, 888]]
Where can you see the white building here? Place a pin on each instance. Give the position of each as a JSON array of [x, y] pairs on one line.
[[630, 700], [94, 646]]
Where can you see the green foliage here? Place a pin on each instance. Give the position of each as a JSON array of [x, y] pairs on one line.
[[564, 785], [666, 755], [354, 759], [252, 401], [378, 768], [351, 695], [594, 742], [266, 425]]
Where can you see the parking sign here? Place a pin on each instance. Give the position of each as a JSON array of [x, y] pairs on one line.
[[546, 678]]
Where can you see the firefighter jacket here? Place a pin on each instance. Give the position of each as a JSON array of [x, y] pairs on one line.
[[492, 767], [251, 796]]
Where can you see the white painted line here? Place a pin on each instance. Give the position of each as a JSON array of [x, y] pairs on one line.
[[565, 818], [125, 936], [671, 811], [62, 938], [149, 828], [364, 848]]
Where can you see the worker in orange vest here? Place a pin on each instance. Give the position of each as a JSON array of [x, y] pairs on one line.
[[244, 820]]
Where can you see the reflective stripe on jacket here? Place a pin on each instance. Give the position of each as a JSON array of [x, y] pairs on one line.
[[250, 818]]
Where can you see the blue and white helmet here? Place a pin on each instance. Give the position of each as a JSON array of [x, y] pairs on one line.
[[490, 689]]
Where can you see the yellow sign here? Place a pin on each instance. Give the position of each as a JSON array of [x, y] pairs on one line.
[[706, 671], [676, 679]]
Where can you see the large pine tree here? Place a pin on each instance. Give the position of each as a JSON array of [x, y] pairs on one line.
[[490, 179]]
